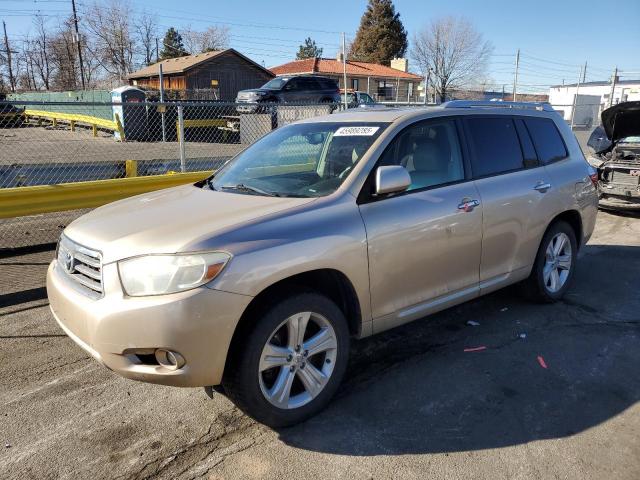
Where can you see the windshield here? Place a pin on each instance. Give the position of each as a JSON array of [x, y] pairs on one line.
[[275, 84], [304, 160]]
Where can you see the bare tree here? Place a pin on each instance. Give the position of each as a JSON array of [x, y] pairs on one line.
[[39, 52], [146, 29], [63, 56], [111, 30], [454, 50], [213, 38]]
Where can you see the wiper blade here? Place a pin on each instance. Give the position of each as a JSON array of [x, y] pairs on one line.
[[246, 188]]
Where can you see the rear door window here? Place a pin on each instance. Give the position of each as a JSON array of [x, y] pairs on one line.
[[546, 139], [495, 145], [308, 83]]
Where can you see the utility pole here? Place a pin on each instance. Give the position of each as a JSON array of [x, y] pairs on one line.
[[613, 83], [584, 73], [515, 75], [75, 22], [12, 81], [344, 68], [575, 97], [157, 51], [426, 86]]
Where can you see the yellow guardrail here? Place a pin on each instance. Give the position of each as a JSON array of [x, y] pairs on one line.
[[201, 123], [21, 201], [73, 118]]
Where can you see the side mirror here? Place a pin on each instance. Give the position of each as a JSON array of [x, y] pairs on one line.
[[392, 179]]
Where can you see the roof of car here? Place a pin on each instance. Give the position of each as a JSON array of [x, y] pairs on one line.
[[384, 114], [369, 114]]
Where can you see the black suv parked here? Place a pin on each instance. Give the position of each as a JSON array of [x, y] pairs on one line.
[[294, 89]]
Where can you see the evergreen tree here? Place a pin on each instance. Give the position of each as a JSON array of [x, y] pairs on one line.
[[172, 45], [381, 35], [309, 50]]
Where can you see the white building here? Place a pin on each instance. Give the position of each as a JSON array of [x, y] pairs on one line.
[[593, 97]]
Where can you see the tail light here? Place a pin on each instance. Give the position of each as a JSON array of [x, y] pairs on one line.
[[593, 175]]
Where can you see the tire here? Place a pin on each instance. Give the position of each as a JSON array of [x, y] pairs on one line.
[[263, 394], [552, 274]]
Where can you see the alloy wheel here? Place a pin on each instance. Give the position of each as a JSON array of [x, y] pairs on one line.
[[557, 262], [297, 361]]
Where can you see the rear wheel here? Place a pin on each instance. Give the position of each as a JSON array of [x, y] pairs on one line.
[[554, 265], [292, 362]]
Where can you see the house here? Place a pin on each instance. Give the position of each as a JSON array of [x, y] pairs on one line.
[[592, 98], [224, 71], [394, 83]]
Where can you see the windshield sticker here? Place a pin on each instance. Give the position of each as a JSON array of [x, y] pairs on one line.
[[355, 131]]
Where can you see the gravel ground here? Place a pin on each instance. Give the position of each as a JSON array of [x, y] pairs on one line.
[[414, 404]]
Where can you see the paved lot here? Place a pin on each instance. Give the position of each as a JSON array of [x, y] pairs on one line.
[[414, 404], [45, 145]]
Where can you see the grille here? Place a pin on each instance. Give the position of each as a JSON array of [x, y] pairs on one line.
[[82, 265]]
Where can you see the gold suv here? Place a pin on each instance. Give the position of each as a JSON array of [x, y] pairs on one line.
[[252, 281]]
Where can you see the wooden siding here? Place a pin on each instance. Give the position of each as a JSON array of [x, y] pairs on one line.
[[232, 72]]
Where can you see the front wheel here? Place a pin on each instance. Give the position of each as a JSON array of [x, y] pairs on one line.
[[555, 263], [291, 363]]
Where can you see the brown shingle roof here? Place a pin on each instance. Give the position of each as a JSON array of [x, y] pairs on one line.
[[182, 64], [331, 66]]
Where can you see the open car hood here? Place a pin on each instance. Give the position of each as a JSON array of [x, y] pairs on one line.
[[621, 120]]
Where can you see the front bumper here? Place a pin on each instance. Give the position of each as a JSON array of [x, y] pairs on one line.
[[198, 324], [609, 202]]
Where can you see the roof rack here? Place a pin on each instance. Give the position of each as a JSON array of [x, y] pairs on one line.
[[540, 106]]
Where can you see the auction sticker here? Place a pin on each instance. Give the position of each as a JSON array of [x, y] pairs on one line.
[[355, 131]]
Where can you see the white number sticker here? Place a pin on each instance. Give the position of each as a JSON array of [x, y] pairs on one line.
[[355, 131]]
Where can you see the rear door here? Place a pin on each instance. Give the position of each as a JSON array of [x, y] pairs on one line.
[[423, 244], [514, 189]]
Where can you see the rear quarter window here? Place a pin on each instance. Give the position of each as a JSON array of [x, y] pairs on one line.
[[546, 140], [495, 145]]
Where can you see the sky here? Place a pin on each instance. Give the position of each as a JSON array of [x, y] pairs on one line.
[[555, 37]]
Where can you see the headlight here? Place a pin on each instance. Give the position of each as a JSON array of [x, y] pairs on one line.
[[162, 274]]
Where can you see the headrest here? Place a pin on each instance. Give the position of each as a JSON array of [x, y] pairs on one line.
[[430, 155]]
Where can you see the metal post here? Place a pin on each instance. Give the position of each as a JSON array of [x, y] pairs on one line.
[[162, 105], [344, 68], [575, 98], [613, 85], [515, 76], [397, 88], [75, 21], [368, 79], [584, 73], [12, 82], [183, 161], [426, 86]]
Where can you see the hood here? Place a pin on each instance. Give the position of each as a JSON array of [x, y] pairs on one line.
[[621, 120], [170, 220], [251, 91]]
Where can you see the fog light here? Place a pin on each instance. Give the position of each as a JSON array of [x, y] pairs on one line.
[[168, 359]]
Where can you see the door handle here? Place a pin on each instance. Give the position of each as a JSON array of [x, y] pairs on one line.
[[542, 187], [467, 205]]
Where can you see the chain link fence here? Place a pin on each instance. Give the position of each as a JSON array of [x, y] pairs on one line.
[[48, 143]]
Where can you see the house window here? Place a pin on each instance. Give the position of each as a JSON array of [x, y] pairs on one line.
[[354, 84], [385, 90]]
